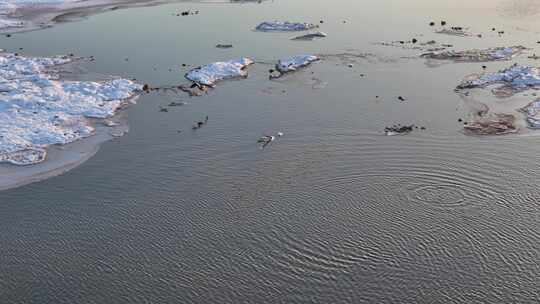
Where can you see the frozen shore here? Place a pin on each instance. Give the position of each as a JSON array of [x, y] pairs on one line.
[[39, 110], [60, 159], [25, 15]]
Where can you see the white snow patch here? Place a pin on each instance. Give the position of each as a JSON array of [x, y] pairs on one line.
[[278, 26], [209, 74], [517, 77], [38, 109], [293, 63]]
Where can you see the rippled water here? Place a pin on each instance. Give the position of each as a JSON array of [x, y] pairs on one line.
[[333, 212]]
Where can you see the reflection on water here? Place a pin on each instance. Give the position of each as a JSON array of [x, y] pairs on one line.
[[332, 212]]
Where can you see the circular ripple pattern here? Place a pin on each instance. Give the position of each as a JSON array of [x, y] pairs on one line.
[[448, 195]]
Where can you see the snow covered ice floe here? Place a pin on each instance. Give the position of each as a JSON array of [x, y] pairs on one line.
[[293, 63], [209, 74], [491, 54], [39, 109], [517, 78], [278, 26]]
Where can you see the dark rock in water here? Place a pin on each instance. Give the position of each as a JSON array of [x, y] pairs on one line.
[[443, 23], [176, 104], [432, 23], [398, 130], [401, 98], [224, 46]]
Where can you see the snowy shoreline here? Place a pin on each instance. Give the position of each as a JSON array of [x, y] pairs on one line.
[[60, 158], [38, 109], [27, 15]]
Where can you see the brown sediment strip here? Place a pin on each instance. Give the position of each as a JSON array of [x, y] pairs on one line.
[[494, 124]]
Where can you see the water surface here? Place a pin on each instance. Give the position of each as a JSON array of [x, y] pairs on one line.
[[333, 212]]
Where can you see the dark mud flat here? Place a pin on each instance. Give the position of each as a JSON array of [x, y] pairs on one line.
[[332, 212]]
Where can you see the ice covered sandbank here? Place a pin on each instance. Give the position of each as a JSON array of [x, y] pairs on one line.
[[38, 109], [209, 74], [517, 78], [491, 54], [293, 63], [278, 26]]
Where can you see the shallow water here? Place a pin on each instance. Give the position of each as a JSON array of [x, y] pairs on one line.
[[333, 212]]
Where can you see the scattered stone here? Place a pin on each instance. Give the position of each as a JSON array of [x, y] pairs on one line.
[[200, 124], [176, 104], [398, 130]]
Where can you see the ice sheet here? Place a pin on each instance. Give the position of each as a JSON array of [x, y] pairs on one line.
[[209, 74], [38, 109]]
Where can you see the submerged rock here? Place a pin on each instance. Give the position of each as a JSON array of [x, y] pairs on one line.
[[278, 26], [491, 54], [295, 62], [495, 124], [208, 75], [310, 36], [515, 78], [38, 109]]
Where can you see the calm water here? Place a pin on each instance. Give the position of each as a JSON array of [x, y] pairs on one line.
[[333, 212]]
